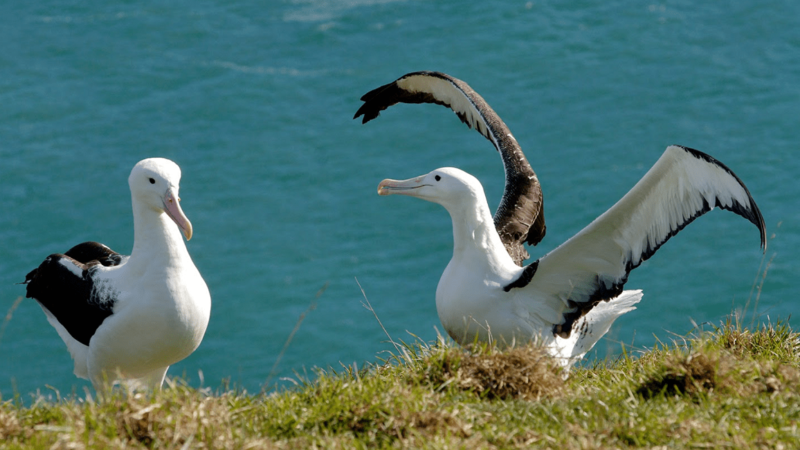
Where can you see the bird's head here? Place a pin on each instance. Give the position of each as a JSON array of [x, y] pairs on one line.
[[450, 187], [155, 182]]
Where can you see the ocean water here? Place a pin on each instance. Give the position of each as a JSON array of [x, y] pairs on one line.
[[254, 100]]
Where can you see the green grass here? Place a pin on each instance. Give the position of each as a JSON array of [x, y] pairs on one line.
[[728, 388]]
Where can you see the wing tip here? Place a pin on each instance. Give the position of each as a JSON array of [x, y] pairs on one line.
[[370, 110], [750, 211], [368, 115]]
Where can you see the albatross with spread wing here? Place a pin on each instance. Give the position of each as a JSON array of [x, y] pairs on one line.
[[570, 297]]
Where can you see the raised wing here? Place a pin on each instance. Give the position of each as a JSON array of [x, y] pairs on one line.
[[593, 265], [520, 215], [64, 286]]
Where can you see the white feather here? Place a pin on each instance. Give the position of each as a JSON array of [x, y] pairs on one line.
[[444, 91]]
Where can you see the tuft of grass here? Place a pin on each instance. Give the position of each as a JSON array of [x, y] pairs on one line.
[[730, 387], [776, 342], [524, 372], [731, 361], [683, 375]]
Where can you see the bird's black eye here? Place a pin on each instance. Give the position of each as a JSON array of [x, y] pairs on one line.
[[438, 177], [152, 181]]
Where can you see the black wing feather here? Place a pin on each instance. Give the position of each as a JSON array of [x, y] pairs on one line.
[[94, 251], [70, 297]]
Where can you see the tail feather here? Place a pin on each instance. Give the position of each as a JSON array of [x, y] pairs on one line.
[[594, 325]]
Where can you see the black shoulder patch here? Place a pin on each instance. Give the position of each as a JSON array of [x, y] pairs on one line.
[[525, 278]]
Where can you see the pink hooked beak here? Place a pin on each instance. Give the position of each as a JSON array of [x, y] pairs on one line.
[[402, 187], [173, 209]]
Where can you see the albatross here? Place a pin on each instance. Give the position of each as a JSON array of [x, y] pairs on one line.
[[568, 298], [129, 318]]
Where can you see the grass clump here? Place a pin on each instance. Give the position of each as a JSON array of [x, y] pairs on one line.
[[726, 388], [525, 372], [731, 361], [683, 374]]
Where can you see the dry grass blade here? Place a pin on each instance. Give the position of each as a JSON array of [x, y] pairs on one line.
[[9, 314], [369, 307], [9, 425], [300, 319]]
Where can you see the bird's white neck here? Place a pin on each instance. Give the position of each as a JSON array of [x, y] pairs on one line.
[[475, 237], [155, 235]]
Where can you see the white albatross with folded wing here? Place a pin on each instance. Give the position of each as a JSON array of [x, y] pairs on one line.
[[570, 297], [129, 317]]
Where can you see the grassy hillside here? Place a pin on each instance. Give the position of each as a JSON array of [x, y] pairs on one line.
[[730, 388]]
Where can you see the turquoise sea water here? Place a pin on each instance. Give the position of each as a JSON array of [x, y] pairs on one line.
[[254, 100]]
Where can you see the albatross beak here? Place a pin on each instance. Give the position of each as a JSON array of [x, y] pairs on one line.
[[404, 187], [173, 209]]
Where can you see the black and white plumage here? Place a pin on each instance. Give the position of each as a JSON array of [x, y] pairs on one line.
[[129, 317], [519, 218], [571, 296]]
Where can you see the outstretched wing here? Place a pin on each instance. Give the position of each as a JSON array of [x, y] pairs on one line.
[[64, 286], [520, 215], [593, 265]]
